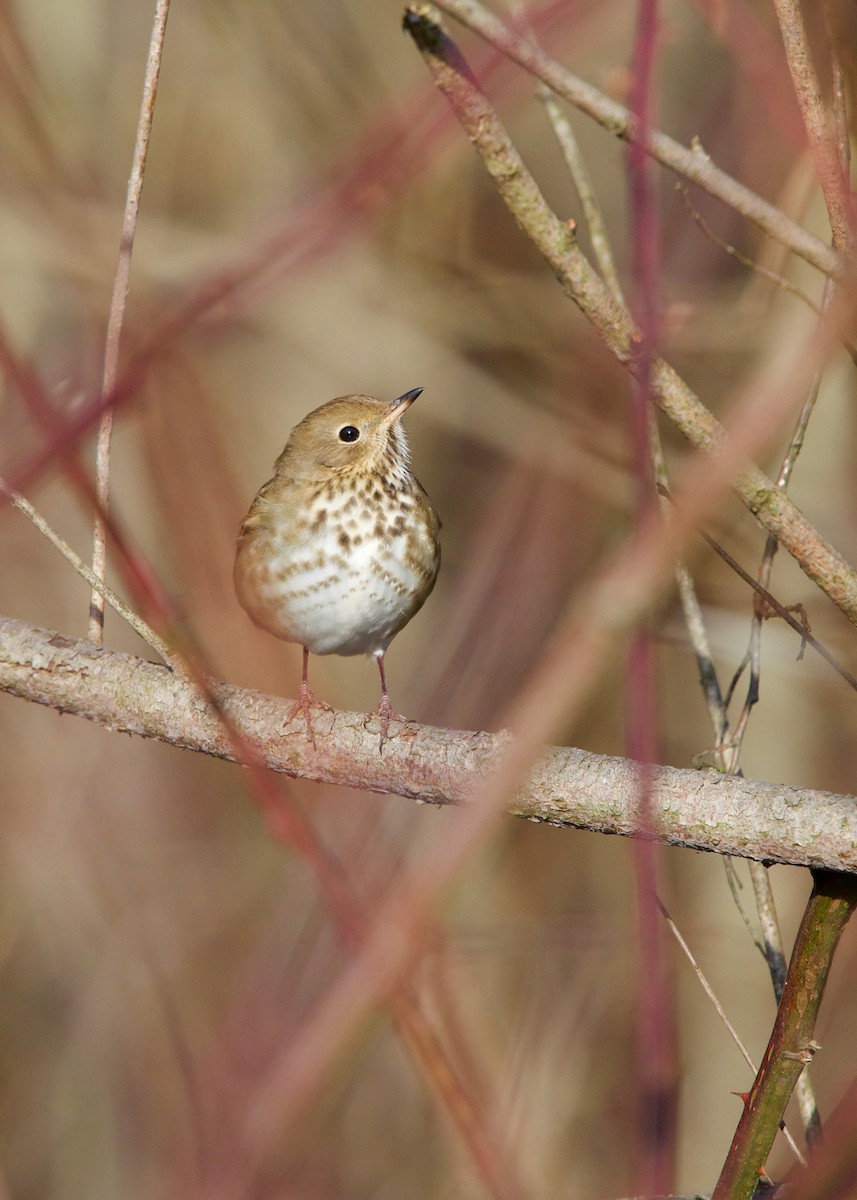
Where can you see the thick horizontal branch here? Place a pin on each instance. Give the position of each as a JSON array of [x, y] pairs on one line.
[[567, 787]]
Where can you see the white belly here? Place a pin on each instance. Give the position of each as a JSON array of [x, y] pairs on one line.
[[339, 588]]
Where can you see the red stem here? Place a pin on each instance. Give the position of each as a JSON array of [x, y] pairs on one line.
[[656, 1096]]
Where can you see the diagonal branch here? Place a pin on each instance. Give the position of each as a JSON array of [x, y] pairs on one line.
[[703, 810], [557, 243], [693, 164], [791, 1046]]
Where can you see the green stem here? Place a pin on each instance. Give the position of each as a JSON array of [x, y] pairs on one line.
[[833, 899]]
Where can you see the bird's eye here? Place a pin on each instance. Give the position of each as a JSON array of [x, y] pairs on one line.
[[349, 433]]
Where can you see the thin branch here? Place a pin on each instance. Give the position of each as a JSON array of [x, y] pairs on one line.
[[707, 988], [758, 268], [698, 635], [694, 164], [785, 285], [754, 651], [721, 1012], [579, 172], [703, 810], [772, 939], [770, 600], [140, 627], [117, 313], [805, 1091], [735, 884]]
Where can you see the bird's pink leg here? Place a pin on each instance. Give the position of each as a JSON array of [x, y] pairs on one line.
[[307, 700], [384, 711]]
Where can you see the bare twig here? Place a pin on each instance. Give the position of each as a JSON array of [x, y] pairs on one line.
[[772, 946], [140, 627], [718, 1008], [583, 285], [579, 172], [769, 921], [774, 277], [707, 988], [804, 1090], [766, 567], [774, 605], [698, 635], [735, 884], [117, 312], [694, 165]]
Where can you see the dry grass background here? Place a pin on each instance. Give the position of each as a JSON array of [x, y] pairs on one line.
[[155, 946]]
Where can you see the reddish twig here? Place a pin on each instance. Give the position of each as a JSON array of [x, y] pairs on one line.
[[655, 1018]]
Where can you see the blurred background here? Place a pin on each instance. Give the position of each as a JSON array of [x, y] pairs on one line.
[[157, 948]]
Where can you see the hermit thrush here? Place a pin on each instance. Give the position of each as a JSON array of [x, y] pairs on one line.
[[340, 549]]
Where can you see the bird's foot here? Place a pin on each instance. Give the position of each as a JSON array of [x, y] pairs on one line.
[[385, 714], [303, 706]]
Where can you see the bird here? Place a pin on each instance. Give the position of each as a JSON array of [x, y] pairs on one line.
[[340, 547]]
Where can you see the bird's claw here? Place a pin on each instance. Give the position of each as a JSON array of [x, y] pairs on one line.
[[385, 714], [303, 706]]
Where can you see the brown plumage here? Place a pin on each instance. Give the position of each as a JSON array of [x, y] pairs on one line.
[[340, 548]]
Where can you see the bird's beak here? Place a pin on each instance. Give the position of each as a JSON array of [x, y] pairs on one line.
[[401, 405]]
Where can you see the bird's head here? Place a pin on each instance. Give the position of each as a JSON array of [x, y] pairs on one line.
[[352, 434]]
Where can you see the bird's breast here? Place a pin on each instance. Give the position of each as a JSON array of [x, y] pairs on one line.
[[342, 573]]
